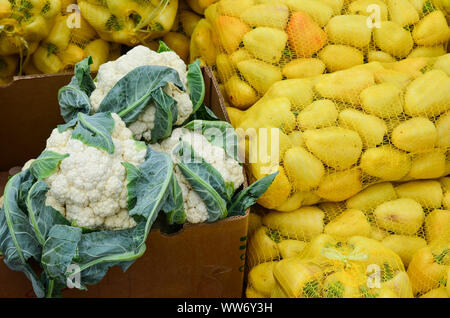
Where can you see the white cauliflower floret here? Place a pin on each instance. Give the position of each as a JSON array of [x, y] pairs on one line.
[[90, 185], [184, 103], [60, 188], [229, 168], [58, 140], [119, 221], [84, 217], [51, 201], [196, 210], [111, 72], [142, 127], [120, 131]]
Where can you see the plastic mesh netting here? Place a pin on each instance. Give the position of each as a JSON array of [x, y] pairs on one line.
[[341, 132], [255, 43], [66, 45], [356, 248]]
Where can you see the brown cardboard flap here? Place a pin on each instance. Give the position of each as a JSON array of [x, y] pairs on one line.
[[29, 112], [202, 260]]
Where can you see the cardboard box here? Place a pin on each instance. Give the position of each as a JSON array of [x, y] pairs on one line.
[[203, 260]]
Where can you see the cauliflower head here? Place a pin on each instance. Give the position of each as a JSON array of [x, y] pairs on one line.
[[90, 185], [229, 168], [111, 72]]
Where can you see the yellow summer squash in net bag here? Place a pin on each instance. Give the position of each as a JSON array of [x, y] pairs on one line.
[[338, 133], [411, 220], [199, 6], [329, 267], [130, 22], [261, 42]]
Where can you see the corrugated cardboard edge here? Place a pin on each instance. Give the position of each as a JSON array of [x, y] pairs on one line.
[[21, 286]]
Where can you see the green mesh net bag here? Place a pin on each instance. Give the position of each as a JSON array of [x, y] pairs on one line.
[[336, 134], [395, 233]]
